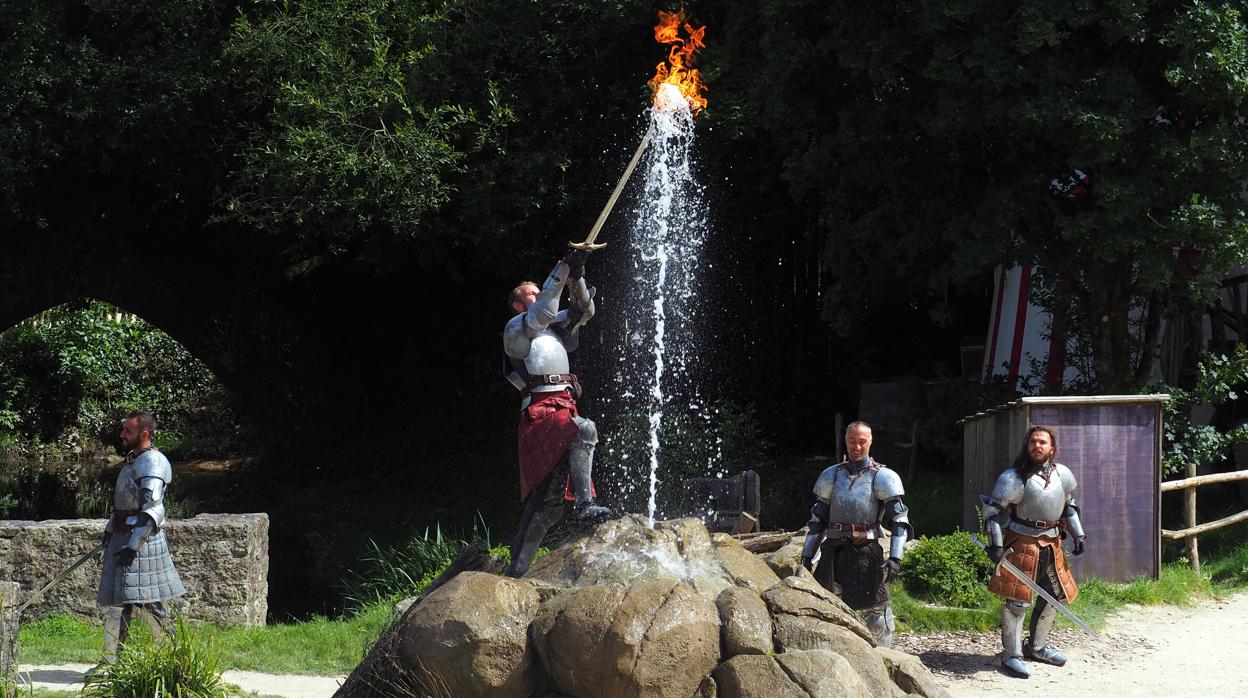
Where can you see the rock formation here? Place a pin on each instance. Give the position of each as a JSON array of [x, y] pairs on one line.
[[631, 612]]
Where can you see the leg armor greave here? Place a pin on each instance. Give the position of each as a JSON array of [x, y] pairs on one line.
[[1041, 624], [533, 527], [115, 629], [581, 461], [1012, 614], [881, 623]]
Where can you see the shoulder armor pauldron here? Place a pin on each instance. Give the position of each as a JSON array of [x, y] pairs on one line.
[[152, 463]]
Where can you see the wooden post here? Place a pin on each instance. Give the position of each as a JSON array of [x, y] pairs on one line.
[[1189, 515]]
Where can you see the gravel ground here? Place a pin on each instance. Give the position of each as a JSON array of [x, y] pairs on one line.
[[1143, 651]]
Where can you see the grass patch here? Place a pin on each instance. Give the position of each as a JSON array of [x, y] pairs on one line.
[[317, 647]]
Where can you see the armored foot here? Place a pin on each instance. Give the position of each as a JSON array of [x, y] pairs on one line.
[[590, 513], [1015, 667], [1048, 655]]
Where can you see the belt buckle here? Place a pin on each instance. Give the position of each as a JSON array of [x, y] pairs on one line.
[[554, 378], [838, 527]]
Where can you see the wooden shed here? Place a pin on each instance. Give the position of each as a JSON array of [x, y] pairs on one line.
[[1112, 443]]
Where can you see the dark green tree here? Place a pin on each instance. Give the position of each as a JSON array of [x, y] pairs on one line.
[[1100, 141]]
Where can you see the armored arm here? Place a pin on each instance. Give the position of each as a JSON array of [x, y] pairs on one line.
[[152, 473], [1007, 491], [898, 515], [815, 529], [889, 490], [582, 300], [546, 307]]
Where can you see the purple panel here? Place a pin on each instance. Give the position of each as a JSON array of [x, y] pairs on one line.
[[1112, 450]]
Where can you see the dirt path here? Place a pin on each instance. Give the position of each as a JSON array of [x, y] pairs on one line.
[[68, 677], [1143, 651]]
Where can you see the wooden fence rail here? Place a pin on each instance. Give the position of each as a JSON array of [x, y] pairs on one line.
[[1189, 485]]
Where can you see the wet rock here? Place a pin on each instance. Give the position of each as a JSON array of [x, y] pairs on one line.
[[745, 622], [471, 636], [625, 551], [787, 561]]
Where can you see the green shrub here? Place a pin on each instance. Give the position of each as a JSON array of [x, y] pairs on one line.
[[185, 665], [949, 570]]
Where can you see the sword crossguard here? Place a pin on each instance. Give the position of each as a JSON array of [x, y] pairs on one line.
[[587, 246]]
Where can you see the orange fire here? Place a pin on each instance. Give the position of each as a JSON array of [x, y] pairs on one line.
[[678, 70]]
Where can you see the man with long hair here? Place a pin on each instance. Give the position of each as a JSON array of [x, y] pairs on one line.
[[1031, 509]]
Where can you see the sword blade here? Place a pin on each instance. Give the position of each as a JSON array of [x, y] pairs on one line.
[[619, 188], [55, 580], [1031, 584]]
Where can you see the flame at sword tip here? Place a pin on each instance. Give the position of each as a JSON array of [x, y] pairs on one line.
[[677, 71]]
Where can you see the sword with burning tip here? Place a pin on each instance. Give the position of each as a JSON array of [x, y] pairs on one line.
[[1031, 584], [589, 245], [78, 563]]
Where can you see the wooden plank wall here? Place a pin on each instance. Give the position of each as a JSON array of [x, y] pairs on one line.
[[1112, 449], [989, 444]]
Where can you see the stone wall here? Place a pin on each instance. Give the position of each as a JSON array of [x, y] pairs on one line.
[[8, 631], [223, 560]]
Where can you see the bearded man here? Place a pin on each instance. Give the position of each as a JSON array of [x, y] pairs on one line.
[[1031, 509]]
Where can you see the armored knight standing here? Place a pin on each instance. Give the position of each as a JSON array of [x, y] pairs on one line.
[[853, 498], [556, 443], [138, 574], [1032, 507]]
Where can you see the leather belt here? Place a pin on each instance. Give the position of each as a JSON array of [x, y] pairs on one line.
[[565, 379], [1037, 524], [552, 379], [860, 528]]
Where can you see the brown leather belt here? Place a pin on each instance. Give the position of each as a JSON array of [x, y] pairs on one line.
[[853, 527], [1037, 524], [565, 379]]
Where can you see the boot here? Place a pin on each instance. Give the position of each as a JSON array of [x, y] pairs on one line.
[[115, 631], [1012, 613], [1048, 655], [584, 509]]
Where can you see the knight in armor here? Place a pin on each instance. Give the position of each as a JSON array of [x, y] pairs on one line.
[[138, 574], [556, 443], [852, 501], [1031, 509]]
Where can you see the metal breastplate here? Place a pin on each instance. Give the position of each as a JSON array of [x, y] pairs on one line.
[[126, 496], [1041, 501], [546, 355], [853, 499]]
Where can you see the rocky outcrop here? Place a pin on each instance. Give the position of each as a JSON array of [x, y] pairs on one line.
[[223, 560], [632, 612], [8, 632]]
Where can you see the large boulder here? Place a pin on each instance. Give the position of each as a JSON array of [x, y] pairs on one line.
[[743, 567], [471, 635], [799, 674], [745, 622], [658, 638], [627, 611], [911, 675]]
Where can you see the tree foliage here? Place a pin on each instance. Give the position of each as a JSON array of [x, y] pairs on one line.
[[69, 374], [1094, 140]]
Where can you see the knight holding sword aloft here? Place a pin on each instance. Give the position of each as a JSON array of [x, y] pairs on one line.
[[1031, 509], [556, 443]]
